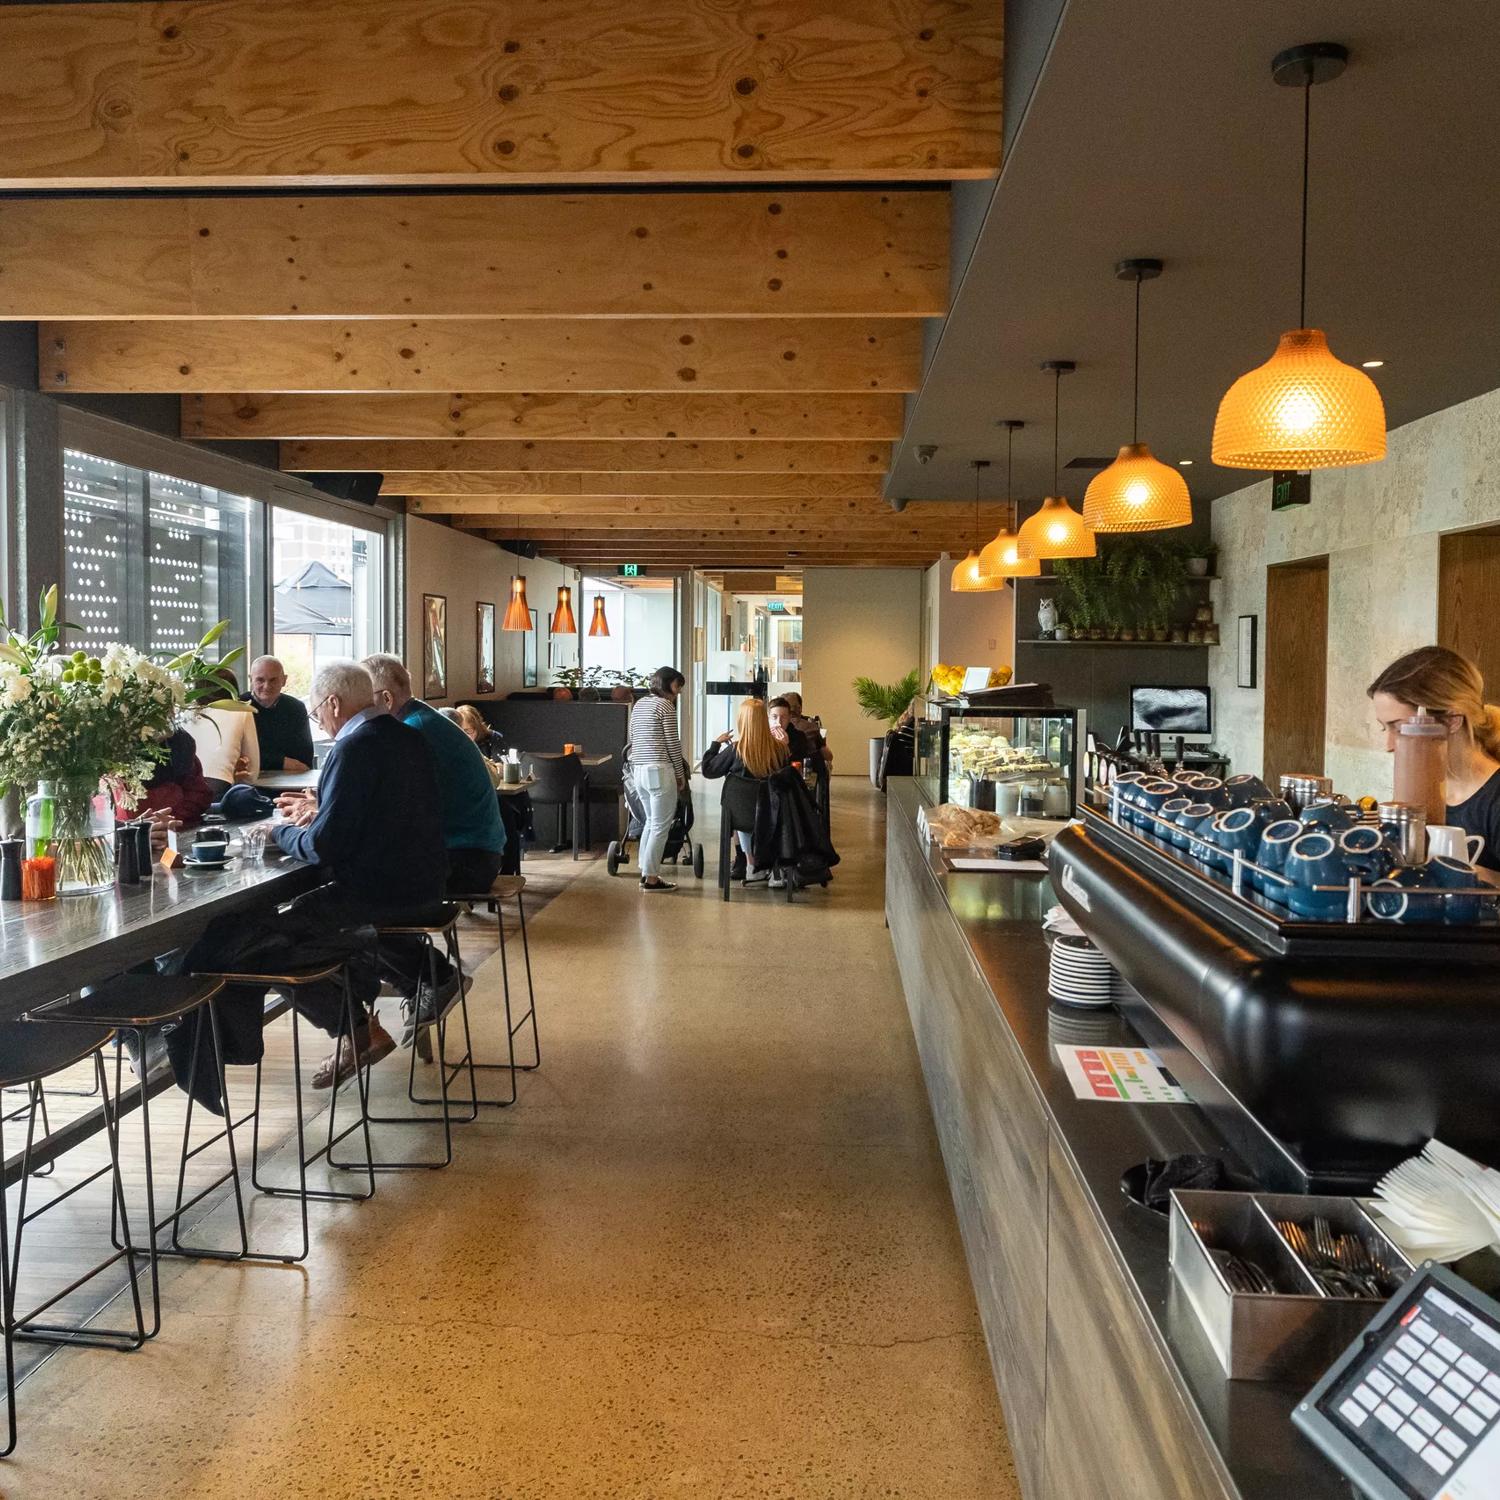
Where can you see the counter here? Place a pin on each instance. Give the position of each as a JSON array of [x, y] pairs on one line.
[[1108, 1384]]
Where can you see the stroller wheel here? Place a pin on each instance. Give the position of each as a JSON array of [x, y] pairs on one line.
[[698, 860], [612, 857]]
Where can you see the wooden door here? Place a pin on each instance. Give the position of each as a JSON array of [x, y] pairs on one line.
[[1468, 586], [1296, 668]]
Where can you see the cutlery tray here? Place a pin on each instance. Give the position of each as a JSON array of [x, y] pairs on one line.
[[1295, 1332]]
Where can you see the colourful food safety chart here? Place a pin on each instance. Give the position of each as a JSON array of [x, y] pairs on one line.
[[1119, 1075]]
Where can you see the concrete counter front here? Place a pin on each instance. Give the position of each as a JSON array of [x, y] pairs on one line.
[[1109, 1387]]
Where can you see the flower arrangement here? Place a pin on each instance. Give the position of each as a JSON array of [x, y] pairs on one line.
[[76, 721]]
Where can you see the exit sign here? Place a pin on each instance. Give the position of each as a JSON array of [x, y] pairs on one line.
[[1290, 487], [630, 570]]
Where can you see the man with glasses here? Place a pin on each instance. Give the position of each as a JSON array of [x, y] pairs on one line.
[[376, 827], [281, 723]]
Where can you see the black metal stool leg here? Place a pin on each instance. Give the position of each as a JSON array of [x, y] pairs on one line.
[[7, 1309], [536, 1041], [450, 941]]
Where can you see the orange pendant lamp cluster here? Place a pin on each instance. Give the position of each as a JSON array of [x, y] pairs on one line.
[[1000, 557], [1056, 530], [966, 577], [1137, 492], [563, 622], [517, 612], [1303, 408], [599, 625]]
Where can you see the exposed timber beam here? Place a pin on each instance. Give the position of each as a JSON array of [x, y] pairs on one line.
[[524, 457], [500, 510], [762, 255], [519, 354], [452, 488], [550, 417], [522, 91]]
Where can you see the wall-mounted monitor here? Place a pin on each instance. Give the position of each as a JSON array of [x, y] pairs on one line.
[[1170, 710]]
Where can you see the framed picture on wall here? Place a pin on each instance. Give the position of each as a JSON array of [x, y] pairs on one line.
[[529, 655], [434, 645], [1245, 676], [484, 648]]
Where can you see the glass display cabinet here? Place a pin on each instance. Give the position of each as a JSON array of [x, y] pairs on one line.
[[1008, 758]]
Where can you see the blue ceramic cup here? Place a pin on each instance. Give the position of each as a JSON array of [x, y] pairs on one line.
[[1170, 810], [1315, 860], [1452, 875], [1335, 816], [1366, 849], [1232, 832], [1270, 810], [1403, 896], [1194, 817], [1275, 842], [1245, 789], [1149, 797]]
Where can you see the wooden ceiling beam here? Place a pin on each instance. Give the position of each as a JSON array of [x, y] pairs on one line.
[[546, 418], [420, 487], [603, 255], [725, 523], [501, 510], [401, 460], [289, 92], [519, 354]]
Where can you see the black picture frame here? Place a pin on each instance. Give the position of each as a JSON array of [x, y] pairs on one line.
[[529, 671], [1245, 675]]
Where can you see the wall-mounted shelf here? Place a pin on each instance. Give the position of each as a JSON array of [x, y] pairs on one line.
[[1152, 645]]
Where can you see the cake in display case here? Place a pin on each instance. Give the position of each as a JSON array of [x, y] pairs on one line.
[[1008, 757]]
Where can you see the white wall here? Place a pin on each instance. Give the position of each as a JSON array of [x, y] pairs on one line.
[[856, 622], [466, 569], [1379, 526], [968, 630]]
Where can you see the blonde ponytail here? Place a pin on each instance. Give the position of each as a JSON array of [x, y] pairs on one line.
[[1487, 731]]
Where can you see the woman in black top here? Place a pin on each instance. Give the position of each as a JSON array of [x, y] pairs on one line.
[[1451, 687]]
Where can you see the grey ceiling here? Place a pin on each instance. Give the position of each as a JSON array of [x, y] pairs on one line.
[[1154, 129]]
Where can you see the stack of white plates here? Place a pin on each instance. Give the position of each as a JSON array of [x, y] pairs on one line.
[[1079, 974]]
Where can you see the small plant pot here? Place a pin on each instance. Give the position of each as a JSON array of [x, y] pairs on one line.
[[1096, 633], [1112, 633], [1197, 567], [1127, 634], [1159, 634], [1195, 636], [1061, 633], [1210, 635], [1179, 635]]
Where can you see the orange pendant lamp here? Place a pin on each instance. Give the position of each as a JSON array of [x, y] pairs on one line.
[[1303, 408], [599, 625], [1000, 558], [563, 622], [966, 578], [517, 612], [1137, 492], [1056, 530]]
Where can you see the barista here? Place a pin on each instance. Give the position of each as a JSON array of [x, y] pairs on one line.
[[1450, 687]]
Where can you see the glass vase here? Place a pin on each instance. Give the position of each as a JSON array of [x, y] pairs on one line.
[[71, 819]]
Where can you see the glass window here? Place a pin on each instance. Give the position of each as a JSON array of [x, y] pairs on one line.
[[327, 594], [153, 560]]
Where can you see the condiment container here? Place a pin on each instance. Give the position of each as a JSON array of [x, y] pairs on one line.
[[1422, 764]]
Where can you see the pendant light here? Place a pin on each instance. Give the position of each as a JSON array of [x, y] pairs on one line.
[[1137, 492], [518, 611], [599, 625], [1056, 530], [1302, 409], [1000, 559], [563, 622], [966, 579]]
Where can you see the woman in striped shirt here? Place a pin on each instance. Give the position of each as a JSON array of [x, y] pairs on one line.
[[656, 756]]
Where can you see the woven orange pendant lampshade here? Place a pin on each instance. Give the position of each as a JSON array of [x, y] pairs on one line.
[[1302, 409], [563, 622], [599, 625], [1056, 530], [967, 579], [1137, 492], [517, 612]]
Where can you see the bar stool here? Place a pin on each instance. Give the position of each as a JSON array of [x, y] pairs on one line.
[[504, 887], [429, 933], [288, 982], [138, 1003], [29, 1055]]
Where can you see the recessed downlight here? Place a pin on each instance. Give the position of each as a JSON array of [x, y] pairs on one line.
[[1371, 364], [1184, 463]]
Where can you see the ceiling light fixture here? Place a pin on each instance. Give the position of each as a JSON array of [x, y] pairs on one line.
[[1056, 530], [1372, 364], [1000, 558], [599, 625], [517, 612], [1303, 408], [966, 579], [1137, 492], [1184, 463]]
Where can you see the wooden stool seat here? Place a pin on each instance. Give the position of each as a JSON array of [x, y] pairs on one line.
[[134, 1000]]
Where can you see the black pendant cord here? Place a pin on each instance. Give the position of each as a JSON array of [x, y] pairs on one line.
[[976, 504], [1010, 503], [1056, 410], [1135, 410], [1306, 151]]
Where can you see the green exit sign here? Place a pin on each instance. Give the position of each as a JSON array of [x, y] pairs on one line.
[[630, 570]]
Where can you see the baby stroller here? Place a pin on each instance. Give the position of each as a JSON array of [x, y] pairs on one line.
[[680, 848]]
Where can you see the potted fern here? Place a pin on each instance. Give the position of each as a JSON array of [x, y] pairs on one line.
[[888, 703]]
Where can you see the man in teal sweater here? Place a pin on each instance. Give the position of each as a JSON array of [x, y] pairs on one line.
[[472, 830]]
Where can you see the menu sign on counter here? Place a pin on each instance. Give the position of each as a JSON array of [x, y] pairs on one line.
[[1121, 1075]]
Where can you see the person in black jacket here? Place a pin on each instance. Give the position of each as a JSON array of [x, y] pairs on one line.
[[285, 741], [376, 826]]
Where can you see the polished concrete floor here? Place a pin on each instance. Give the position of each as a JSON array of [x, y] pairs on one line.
[[710, 1253]]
